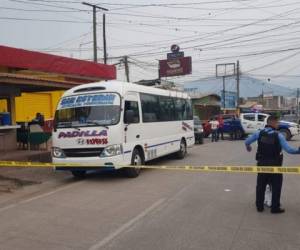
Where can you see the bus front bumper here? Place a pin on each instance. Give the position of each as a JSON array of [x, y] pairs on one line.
[[89, 163]]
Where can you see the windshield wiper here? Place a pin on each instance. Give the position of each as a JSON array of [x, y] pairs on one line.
[[67, 125], [78, 125], [96, 123], [64, 124]]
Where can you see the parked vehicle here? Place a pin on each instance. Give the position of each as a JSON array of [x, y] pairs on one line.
[[252, 122], [291, 118], [231, 125], [225, 116], [114, 124], [198, 130]]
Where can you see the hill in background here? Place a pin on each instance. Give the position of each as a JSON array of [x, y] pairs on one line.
[[249, 86]]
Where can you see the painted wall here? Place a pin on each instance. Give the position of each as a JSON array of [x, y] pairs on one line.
[[28, 104], [3, 105]]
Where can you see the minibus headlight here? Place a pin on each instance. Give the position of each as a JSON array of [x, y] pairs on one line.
[[112, 150], [58, 153]]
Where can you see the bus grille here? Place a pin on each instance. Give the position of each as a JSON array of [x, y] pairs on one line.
[[83, 152]]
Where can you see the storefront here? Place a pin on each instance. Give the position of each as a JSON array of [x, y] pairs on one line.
[[205, 105], [23, 71]]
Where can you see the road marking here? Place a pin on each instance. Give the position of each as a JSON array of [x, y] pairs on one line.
[[50, 193], [7, 207], [39, 196], [127, 225]]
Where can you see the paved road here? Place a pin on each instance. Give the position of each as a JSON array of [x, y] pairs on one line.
[[158, 210]]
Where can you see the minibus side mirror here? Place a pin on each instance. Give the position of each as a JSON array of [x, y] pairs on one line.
[[129, 116]]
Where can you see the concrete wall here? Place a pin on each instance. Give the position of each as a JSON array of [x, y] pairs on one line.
[[8, 140]]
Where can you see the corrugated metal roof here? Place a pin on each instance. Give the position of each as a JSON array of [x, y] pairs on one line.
[[25, 59], [35, 78], [33, 83]]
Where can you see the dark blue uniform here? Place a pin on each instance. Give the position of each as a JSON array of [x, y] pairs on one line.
[[269, 153]]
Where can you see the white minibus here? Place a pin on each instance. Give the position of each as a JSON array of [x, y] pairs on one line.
[[114, 124]]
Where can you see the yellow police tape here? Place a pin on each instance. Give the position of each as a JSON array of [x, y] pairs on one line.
[[225, 169]]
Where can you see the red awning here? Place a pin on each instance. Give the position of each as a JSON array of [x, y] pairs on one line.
[[36, 61]]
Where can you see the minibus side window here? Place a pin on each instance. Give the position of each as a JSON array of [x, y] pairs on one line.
[[134, 106], [167, 109], [179, 109], [150, 108]]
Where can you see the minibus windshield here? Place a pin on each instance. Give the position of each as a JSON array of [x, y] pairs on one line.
[[88, 110]]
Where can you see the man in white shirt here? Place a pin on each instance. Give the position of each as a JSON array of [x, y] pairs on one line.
[[214, 129]]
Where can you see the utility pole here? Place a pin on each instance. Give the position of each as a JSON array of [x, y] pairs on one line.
[[126, 68], [95, 7], [238, 83], [262, 94], [224, 95], [104, 38], [297, 101]]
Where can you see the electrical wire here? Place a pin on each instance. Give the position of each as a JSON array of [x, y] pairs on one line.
[[48, 5], [44, 20], [280, 60]]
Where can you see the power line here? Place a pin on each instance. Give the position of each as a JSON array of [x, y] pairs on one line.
[[250, 40], [43, 20], [152, 24], [270, 75], [48, 5], [212, 8], [189, 18], [42, 10], [287, 71], [213, 47], [56, 1], [174, 4], [69, 40], [252, 54], [238, 27], [251, 34], [280, 60]]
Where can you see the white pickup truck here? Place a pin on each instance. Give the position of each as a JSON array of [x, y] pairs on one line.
[[251, 122]]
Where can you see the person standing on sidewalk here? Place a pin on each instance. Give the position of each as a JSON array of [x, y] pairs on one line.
[[221, 127], [269, 153], [214, 129]]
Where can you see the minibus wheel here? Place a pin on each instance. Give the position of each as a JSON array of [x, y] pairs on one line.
[[79, 174], [182, 151], [137, 159]]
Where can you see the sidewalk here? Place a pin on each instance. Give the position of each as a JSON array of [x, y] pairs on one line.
[[26, 155], [13, 178]]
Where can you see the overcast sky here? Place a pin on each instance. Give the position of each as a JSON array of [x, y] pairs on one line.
[[263, 34]]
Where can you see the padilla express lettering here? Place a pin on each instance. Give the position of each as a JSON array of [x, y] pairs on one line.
[[87, 133]]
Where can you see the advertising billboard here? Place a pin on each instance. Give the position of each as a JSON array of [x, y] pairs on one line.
[[175, 67], [230, 99]]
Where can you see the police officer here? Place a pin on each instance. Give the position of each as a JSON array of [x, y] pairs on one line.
[[269, 153]]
